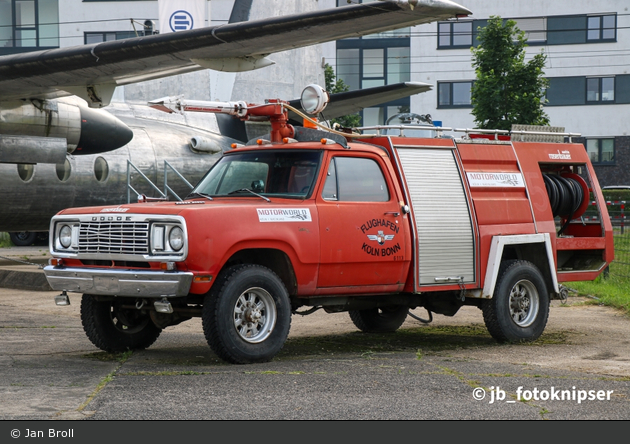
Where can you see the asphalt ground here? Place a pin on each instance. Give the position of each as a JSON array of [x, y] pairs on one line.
[[327, 371]]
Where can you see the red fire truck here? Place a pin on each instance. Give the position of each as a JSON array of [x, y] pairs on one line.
[[370, 224]]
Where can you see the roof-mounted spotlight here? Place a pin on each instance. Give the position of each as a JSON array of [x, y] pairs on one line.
[[314, 99]]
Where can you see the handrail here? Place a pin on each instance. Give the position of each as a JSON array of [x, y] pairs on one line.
[[496, 132], [129, 187], [378, 128], [166, 187]]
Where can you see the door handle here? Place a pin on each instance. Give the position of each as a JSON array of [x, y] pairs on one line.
[[392, 213]]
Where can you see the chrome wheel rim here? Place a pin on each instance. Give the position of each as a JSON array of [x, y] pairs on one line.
[[254, 315], [524, 303]]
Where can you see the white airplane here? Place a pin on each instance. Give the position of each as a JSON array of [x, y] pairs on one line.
[[51, 103]]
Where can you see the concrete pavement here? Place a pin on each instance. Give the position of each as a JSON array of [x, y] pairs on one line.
[[327, 370]]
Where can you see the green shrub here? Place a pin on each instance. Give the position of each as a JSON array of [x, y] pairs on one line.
[[614, 195], [5, 240]]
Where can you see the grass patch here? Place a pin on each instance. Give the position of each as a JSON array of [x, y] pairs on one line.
[[613, 291], [121, 358]]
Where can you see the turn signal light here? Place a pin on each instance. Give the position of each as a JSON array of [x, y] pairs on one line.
[[167, 266], [55, 262]]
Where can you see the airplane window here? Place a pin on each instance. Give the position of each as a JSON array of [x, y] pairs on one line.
[[25, 171], [63, 170], [101, 169]]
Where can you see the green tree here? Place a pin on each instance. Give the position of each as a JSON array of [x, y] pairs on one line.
[[507, 90], [333, 86]]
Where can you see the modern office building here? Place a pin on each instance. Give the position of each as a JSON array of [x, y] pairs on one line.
[[587, 45]]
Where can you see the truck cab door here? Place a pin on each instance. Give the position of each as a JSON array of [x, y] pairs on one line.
[[363, 235]]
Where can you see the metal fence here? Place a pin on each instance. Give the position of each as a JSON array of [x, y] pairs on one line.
[[621, 265]]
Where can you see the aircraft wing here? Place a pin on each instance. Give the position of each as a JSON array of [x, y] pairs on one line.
[[93, 71], [351, 102]]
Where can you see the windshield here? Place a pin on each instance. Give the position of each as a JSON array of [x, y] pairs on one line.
[[271, 173]]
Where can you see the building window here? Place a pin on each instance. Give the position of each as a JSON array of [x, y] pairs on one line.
[[551, 30], [581, 90], [398, 65], [535, 29], [454, 94], [600, 89], [28, 25], [601, 150], [373, 68], [366, 65], [373, 61], [348, 68], [99, 37], [455, 34], [601, 28]]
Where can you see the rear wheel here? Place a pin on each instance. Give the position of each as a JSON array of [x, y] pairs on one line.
[[247, 315], [23, 238], [379, 320], [519, 308], [114, 328]]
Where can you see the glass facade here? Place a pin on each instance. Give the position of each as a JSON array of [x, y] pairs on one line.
[[28, 25], [601, 150]]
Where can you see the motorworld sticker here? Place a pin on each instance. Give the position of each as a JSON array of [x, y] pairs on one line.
[[284, 214], [514, 180]]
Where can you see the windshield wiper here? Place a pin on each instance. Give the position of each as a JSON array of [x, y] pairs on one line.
[[250, 191], [197, 194]]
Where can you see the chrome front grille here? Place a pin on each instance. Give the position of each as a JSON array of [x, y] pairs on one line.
[[111, 237]]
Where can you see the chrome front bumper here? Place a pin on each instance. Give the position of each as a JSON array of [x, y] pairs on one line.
[[133, 283]]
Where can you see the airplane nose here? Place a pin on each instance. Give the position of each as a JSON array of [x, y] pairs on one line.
[[101, 132]]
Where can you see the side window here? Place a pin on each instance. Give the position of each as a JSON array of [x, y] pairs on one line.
[[354, 179]]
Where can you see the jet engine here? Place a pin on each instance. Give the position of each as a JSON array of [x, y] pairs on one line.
[[43, 131]]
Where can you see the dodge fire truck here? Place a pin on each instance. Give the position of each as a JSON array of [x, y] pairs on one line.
[[375, 225]]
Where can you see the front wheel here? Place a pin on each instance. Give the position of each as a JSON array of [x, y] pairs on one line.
[[379, 320], [519, 308], [247, 315], [114, 327]]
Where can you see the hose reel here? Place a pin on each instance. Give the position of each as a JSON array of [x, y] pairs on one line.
[[568, 196]]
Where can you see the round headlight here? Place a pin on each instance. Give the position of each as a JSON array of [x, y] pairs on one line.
[[65, 236], [176, 239]]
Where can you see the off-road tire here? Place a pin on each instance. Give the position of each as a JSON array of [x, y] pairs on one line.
[[519, 308], [23, 238], [379, 320], [241, 293], [114, 329]]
